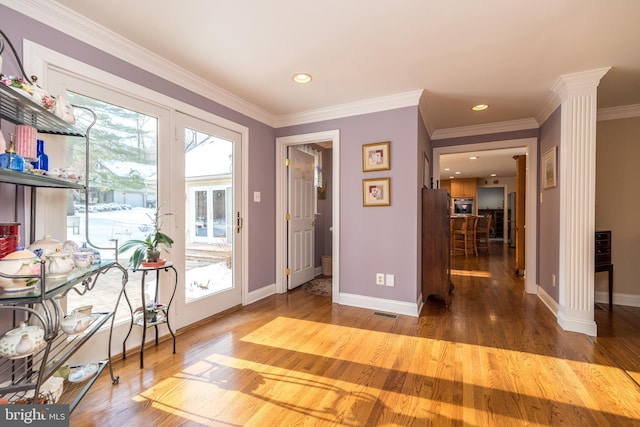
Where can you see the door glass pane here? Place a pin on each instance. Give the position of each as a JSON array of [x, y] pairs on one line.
[[122, 190], [200, 211], [208, 180]]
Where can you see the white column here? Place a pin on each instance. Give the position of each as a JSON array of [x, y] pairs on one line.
[[577, 183]]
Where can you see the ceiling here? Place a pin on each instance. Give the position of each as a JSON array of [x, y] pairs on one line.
[[507, 54]]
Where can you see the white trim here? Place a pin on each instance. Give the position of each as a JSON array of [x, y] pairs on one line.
[[548, 300], [531, 229], [81, 28], [281, 205], [261, 293], [575, 324], [629, 300], [485, 129], [372, 105], [380, 304], [624, 112], [551, 104]]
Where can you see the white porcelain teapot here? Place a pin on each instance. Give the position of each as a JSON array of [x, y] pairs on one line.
[[22, 341], [59, 264]]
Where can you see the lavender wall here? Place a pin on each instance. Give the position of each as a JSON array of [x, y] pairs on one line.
[[261, 171], [376, 239], [549, 212]]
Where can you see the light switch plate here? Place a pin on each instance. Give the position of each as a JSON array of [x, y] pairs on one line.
[[391, 280], [256, 196]]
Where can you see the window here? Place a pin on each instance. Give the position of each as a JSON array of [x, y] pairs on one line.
[[122, 196]]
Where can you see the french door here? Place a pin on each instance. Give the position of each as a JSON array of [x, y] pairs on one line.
[[211, 185]]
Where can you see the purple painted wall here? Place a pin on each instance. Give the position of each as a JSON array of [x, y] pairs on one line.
[[549, 212], [376, 239], [261, 137]]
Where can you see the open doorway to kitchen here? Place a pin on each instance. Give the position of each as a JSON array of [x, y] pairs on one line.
[[529, 146], [327, 209]]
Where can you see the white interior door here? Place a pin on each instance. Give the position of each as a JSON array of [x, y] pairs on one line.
[[301, 224]]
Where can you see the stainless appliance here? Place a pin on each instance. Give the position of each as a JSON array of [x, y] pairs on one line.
[[463, 206]]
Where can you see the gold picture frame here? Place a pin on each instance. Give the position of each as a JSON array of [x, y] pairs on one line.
[[376, 156], [549, 168], [376, 192]]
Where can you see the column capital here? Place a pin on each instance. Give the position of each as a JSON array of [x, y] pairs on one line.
[[569, 85]]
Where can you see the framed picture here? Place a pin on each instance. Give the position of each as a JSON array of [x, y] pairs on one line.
[[375, 192], [549, 168], [375, 157]]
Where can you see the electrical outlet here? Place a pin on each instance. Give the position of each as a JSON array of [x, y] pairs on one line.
[[391, 280], [380, 279], [553, 280]]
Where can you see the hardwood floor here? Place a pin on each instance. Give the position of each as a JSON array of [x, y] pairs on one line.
[[495, 357]]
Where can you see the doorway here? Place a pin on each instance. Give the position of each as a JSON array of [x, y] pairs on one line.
[[531, 188], [282, 144]]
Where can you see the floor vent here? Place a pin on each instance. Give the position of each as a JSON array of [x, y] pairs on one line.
[[391, 316]]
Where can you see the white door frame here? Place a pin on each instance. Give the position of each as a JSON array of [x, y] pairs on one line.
[[531, 144], [281, 205]]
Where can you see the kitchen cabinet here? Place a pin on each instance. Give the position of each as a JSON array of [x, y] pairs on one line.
[[21, 378], [459, 188]]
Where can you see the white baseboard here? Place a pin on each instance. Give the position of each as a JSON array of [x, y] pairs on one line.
[[261, 293], [618, 299], [551, 304], [379, 304]]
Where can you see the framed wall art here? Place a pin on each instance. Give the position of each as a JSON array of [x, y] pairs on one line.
[[375, 157], [376, 192], [549, 168]]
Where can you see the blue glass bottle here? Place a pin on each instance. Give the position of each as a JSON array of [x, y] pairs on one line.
[[42, 160], [10, 159]]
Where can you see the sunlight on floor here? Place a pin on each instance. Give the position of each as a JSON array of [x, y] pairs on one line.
[[470, 273], [287, 377]]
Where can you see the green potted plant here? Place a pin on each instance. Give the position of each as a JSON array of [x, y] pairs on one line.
[[148, 250]]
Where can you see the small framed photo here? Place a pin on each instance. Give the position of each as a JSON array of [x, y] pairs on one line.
[[376, 192], [375, 157], [549, 159]]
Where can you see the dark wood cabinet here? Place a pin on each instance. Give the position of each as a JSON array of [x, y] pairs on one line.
[[436, 261]]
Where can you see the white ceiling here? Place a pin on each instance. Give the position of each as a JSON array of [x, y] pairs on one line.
[[507, 54]]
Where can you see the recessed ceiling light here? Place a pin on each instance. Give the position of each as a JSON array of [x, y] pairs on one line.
[[458, 172], [450, 177], [480, 107], [302, 78], [447, 169], [493, 174], [473, 158]]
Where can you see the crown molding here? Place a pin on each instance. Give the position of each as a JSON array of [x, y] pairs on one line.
[[485, 129], [372, 105], [624, 112], [79, 27]]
